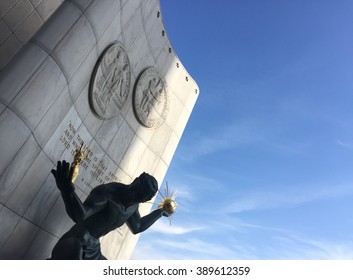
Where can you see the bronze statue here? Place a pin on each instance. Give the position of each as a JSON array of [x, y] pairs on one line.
[[106, 208]]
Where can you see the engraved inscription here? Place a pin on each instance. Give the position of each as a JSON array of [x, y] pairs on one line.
[[110, 83], [93, 171], [151, 102]]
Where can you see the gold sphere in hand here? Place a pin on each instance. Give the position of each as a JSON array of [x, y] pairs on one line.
[[168, 205]]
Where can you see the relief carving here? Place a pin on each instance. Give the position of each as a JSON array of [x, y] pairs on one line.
[[110, 83], [151, 101]]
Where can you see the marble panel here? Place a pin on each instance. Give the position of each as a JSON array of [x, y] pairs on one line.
[[145, 134], [6, 5], [120, 142], [13, 134], [92, 123], [57, 27], [122, 2], [2, 108], [53, 117], [132, 120], [173, 74], [166, 62], [9, 220], [160, 171], [26, 190], [136, 44], [4, 31], [35, 3], [63, 137], [83, 74], [69, 224], [18, 13], [191, 99], [29, 27], [156, 36], [101, 13], [16, 246], [149, 11], [160, 139], [142, 57], [120, 37], [182, 121], [47, 7], [44, 86], [110, 34], [174, 109], [122, 177], [16, 74], [8, 50], [82, 4], [43, 201], [107, 131], [148, 163], [145, 208], [170, 148], [41, 246], [184, 86], [82, 103], [128, 8], [18, 167], [133, 156], [126, 248], [75, 46]]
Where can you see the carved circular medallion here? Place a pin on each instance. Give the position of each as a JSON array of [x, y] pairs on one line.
[[110, 82], [151, 101]]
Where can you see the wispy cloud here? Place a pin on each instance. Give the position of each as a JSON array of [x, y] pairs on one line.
[[298, 247], [228, 238], [254, 132], [272, 200], [191, 248], [223, 138], [348, 146], [165, 228]]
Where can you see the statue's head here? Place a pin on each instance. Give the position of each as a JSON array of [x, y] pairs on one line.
[[145, 187]]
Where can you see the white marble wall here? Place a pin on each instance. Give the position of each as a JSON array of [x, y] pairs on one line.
[[44, 114], [19, 21]]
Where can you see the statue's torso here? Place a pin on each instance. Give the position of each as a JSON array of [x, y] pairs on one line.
[[112, 216]]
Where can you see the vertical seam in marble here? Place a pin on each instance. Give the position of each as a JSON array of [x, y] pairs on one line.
[[148, 44], [34, 196], [9, 33], [30, 242], [4, 206], [21, 178], [121, 18]]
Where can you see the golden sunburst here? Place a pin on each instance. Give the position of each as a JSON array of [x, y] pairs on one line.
[[167, 202]]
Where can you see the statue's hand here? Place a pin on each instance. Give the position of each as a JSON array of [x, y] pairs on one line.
[[166, 214], [63, 176]]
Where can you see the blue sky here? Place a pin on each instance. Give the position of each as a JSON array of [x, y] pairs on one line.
[[264, 169]]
